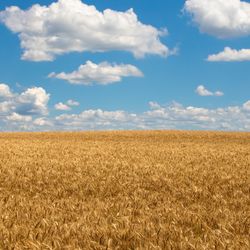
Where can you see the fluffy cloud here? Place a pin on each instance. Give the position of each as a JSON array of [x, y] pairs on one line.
[[97, 119], [5, 106], [246, 106], [220, 18], [62, 106], [32, 102], [5, 91], [202, 91], [66, 106], [19, 108], [173, 116], [42, 122], [230, 55], [19, 118], [103, 73], [73, 103], [72, 26], [180, 117]]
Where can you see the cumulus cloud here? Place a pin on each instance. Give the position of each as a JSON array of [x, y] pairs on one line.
[[172, 116], [20, 108], [202, 91], [246, 106], [33, 101], [62, 106], [66, 106], [220, 18], [72, 103], [178, 116], [97, 119], [19, 118], [42, 122], [230, 55], [5, 106], [5, 91], [103, 73], [73, 26]]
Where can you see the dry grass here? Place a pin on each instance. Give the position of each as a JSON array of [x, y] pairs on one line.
[[125, 190]]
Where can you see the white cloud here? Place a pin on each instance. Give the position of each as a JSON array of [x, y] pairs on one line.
[[173, 116], [72, 26], [220, 18], [66, 106], [42, 121], [33, 101], [5, 106], [97, 119], [202, 91], [218, 93], [19, 118], [246, 106], [18, 109], [230, 55], [103, 73], [73, 103], [5, 91], [180, 117], [62, 106]]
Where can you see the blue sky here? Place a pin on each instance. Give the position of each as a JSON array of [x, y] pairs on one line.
[[167, 96]]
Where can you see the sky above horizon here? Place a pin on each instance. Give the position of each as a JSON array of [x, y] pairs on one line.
[[104, 65]]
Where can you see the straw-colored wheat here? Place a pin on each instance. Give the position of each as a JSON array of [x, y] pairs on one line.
[[125, 190]]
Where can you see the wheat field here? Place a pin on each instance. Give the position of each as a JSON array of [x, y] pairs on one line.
[[125, 190]]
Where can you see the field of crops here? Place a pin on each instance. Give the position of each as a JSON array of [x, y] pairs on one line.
[[125, 190]]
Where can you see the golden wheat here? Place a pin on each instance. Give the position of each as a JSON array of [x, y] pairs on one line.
[[125, 190]]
